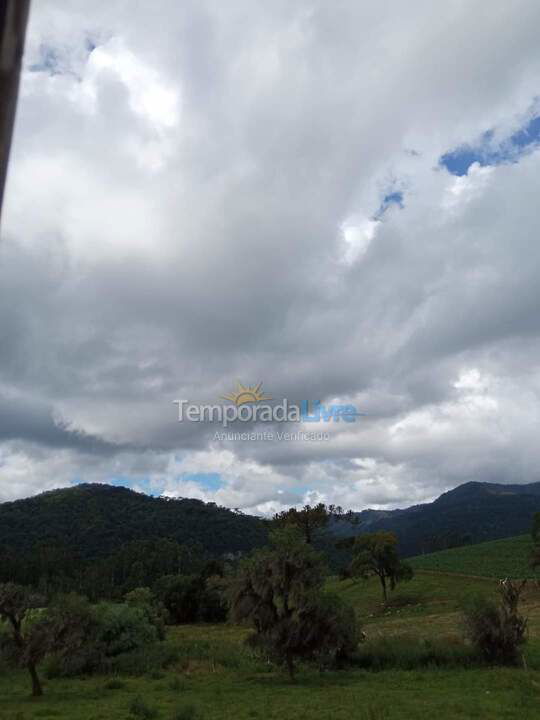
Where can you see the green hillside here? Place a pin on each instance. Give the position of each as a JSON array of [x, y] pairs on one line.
[[94, 520], [498, 558]]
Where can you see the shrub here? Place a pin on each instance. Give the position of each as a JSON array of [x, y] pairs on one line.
[[123, 628], [190, 598], [97, 638], [498, 630], [344, 573], [186, 712], [139, 708], [176, 684], [332, 632], [154, 610], [114, 684], [149, 658]]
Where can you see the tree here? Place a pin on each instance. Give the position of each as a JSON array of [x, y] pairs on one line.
[[144, 598], [16, 608], [179, 595], [278, 590], [311, 518], [71, 632], [376, 554]]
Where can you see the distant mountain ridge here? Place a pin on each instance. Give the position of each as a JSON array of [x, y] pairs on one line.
[[94, 520], [470, 513]]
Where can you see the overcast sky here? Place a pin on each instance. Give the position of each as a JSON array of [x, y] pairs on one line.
[[337, 199]]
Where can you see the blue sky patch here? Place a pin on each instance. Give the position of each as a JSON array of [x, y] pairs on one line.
[[459, 161], [209, 481], [392, 198]]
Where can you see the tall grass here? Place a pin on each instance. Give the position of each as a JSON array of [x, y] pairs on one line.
[[412, 653]]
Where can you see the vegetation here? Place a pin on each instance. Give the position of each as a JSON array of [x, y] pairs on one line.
[[309, 520], [190, 598], [89, 522], [413, 666], [279, 591], [136, 564], [471, 513], [498, 630], [73, 636], [376, 554], [497, 559], [28, 643], [147, 642]]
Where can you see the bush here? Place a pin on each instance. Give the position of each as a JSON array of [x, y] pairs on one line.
[[139, 708], [147, 659], [123, 628], [97, 638], [190, 598], [498, 631], [333, 630], [176, 684], [114, 684], [154, 610], [186, 712]]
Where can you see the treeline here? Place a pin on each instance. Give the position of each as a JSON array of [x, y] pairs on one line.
[[58, 569]]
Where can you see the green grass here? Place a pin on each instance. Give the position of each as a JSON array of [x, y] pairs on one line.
[[498, 559], [409, 667], [416, 694]]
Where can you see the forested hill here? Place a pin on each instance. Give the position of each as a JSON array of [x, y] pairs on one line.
[[470, 513], [94, 520]]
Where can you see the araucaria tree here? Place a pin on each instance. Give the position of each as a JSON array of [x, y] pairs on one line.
[[310, 519], [376, 554], [279, 591], [28, 643]]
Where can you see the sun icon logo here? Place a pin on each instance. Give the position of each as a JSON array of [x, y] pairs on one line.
[[246, 394]]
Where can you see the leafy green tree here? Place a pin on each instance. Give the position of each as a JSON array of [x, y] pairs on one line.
[[180, 594], [278, 590], [72, 629], [154, 610], [18, 608], [310, 519], [376, 554]]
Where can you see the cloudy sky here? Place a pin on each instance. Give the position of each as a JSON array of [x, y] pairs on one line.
[[337, 199]]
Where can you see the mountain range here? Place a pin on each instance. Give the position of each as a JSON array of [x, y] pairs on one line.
[[470, 513], [95, 519]]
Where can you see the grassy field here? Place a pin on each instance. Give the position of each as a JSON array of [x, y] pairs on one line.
[[217, 677], [499, 558]]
